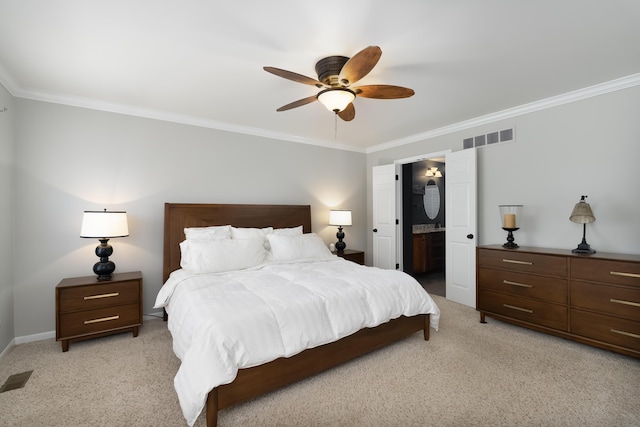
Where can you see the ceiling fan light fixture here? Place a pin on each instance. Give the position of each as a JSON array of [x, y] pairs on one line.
[[336, 99]]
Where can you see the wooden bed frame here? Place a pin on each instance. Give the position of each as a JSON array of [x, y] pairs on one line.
[[258, 380]]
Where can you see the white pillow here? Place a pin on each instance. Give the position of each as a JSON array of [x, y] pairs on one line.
[[211, 233], [293, 231], [215, 256], [303, 246], [252, 233]]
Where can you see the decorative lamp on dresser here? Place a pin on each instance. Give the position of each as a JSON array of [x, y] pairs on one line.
[[593, 299], [89, 308]]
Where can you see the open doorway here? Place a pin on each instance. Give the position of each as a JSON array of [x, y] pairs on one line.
[[423, 222]]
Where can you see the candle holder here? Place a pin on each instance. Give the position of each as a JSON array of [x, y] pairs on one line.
[[510, 244], [510, 216]]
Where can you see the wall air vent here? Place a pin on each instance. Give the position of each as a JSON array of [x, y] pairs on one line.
[[504, 135]]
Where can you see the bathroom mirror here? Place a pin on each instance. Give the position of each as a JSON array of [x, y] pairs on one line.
[[431, 199]]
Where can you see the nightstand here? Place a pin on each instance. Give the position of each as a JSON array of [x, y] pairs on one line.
[[89, 308], [352, 255]]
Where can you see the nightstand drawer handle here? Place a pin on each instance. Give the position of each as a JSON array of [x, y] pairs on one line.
[[629, 334], [621, 301], [115, 294], [522, 285], [620, 273], [515, 261], [103, 319], [526, 310]]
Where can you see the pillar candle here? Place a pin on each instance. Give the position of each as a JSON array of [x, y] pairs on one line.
[[509, 220]]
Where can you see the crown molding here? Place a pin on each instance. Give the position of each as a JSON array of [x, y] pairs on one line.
[[129, 110], [554, 101], [577, 95]]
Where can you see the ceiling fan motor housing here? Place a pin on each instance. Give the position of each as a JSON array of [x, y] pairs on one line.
[[328, 69]]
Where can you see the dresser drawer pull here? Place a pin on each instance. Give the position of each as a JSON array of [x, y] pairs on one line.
[[628, 334], [621, 301], [515, 261], [621, 273], [526, 310], [103, 319], [522, 285], [115, 294]]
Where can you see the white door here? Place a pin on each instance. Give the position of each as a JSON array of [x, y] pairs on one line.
[[460, 217], [384, 216]]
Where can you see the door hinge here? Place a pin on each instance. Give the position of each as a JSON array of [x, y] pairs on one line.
[[397, 266], [397, 178], [397, 221]]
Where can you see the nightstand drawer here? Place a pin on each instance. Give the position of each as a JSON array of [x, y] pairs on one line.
[[91, 297], [613, 330], [100, 320], [607, 271], [525, 309], [541, 287], [617, 301], [523, 262]]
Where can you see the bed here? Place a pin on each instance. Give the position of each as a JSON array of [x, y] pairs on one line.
[[253, 381]]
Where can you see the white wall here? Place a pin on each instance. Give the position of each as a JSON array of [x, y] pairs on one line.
[[6, 204], [589, 147], [72, 159]]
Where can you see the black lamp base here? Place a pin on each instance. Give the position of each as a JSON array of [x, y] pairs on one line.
[[510, 244], [340, 245], [583, 248], [105, 268]]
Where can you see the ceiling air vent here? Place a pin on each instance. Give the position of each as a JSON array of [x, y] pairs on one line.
[[505, 135]]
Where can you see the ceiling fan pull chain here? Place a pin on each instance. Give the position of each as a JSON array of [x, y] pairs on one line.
[[335, 126]]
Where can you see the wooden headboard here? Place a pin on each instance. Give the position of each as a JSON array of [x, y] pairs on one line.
[[177, 216]]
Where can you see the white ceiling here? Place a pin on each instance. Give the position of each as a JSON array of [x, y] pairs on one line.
[[201, 62]]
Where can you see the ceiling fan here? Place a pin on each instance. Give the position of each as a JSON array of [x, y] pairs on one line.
[[336, 74]]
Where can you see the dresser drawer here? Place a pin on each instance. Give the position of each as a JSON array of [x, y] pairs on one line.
[[612, 330], [523, 262], [103, 319], [525, 309], [618, 301], [91, 297], [541, 287], [607, 271]]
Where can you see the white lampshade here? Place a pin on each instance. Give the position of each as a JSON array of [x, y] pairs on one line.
[[340, 217], [104, 224], [336, 100]]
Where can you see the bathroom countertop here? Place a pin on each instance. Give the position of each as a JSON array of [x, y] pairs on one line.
[[426, 228]]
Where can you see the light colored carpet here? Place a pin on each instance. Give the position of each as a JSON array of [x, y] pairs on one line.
[[468, 374]]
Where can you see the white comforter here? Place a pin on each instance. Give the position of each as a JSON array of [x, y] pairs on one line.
[[225, 321]]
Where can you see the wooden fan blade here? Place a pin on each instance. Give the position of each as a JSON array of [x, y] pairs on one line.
[[293, 76], [298, 103], [383, 91], [348, 113], [360, 65]]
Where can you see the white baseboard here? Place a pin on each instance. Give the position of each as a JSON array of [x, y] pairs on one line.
[[35, 337], [52, 334], [7, 348]]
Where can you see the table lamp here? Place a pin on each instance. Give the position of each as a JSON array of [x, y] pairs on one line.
[[104, 225], [582, 214], [340, 218]]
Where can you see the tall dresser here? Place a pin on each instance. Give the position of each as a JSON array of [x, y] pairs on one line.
[[593, 299]]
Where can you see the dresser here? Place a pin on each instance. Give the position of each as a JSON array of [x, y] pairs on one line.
[[593, 299], [88, 308]]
